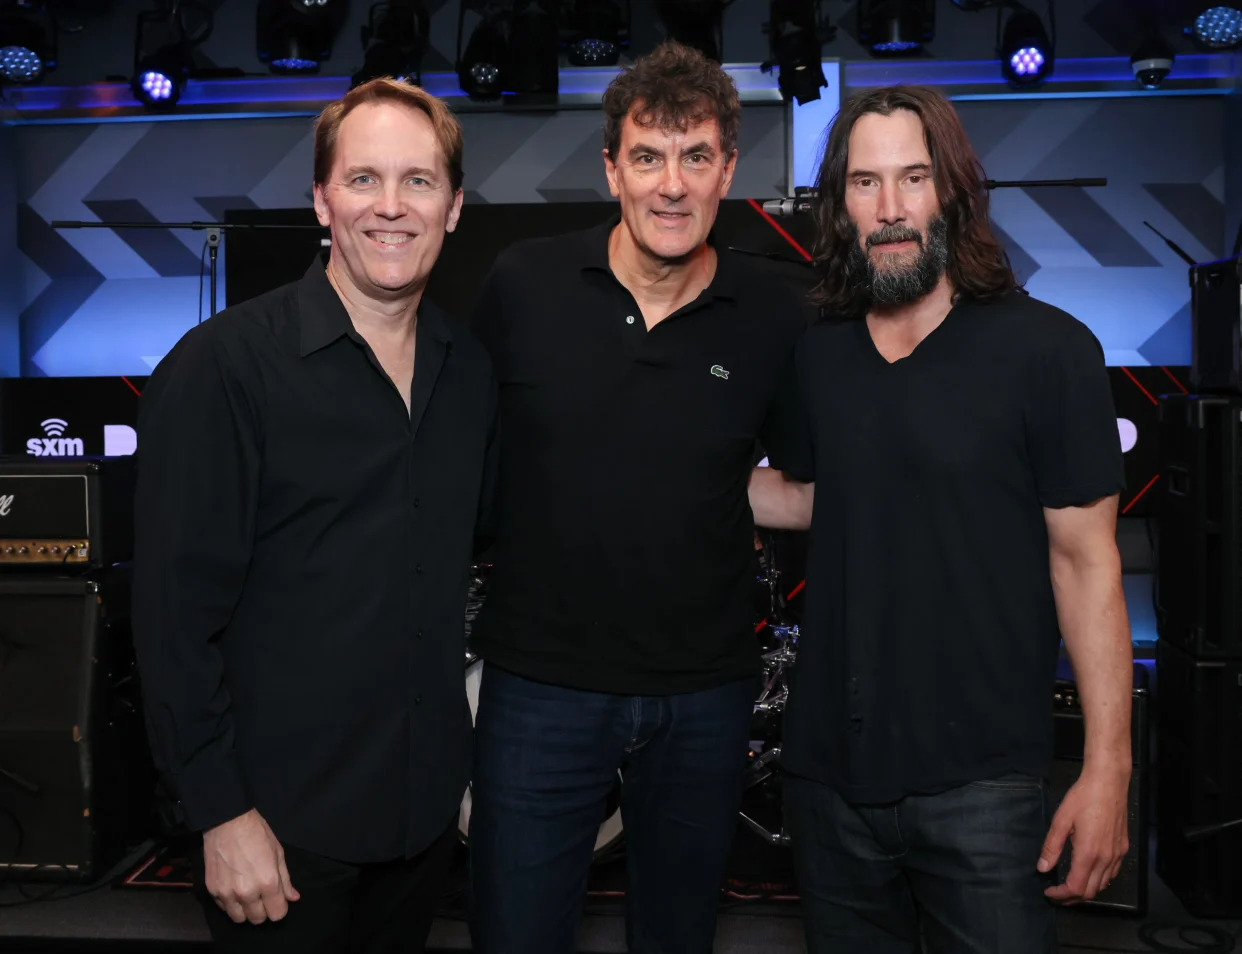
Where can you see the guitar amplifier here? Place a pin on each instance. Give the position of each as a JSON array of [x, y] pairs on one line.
[[76, 779], [74, 512], [1128, 892]]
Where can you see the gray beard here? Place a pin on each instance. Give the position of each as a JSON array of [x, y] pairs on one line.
[[899, 284]]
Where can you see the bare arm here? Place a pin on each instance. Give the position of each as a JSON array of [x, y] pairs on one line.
[[1091, 610], [780, 502]]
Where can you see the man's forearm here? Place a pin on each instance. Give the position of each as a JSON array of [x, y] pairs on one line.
[[1092, 613], [778, 501]]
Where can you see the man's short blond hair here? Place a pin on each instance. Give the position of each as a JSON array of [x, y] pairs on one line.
[[387, 89]]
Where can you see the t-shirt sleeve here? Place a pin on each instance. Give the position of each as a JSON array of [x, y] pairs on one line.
[[786, 434], [1071, 425]]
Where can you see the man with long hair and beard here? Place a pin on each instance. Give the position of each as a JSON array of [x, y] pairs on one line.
[[959, 479]]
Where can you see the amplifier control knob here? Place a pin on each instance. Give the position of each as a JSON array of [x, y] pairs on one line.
[[9, 551], [55, 549], [22, 551], [42, 551]]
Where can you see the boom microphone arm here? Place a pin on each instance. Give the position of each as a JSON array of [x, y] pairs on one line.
[[804, 197]]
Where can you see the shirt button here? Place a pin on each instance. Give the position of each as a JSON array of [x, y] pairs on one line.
[[418, 568], [415, 503], [419, 634], [629, 319], [418, 699]]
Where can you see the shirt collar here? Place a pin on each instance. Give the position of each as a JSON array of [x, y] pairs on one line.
[[595, 258], [323, 317]]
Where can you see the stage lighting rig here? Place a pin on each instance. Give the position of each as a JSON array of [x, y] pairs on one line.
[[597, 32], [28, 41], [796, 34], [534, 48], [394, 39], [696, 23], [482, 69], [164, 40], [512, 49], [1218, 28], [896, 27], [1027, 51], [295, 36]]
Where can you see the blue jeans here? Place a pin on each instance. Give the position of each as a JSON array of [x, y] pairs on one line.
[[545, 761], [952, 872]]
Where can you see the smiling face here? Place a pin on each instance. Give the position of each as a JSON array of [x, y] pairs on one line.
[[388, 202], [670, 184], [890, 195]]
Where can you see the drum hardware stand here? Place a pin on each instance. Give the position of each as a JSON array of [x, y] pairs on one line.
[[762, 768], [766, 766]]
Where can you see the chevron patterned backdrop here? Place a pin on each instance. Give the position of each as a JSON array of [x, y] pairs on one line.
[[98, 301]]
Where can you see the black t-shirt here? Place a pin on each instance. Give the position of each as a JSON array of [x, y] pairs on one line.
[[624, 559], [930, 641]]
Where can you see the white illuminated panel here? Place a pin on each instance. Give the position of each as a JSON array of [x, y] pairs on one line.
[[808, 128]]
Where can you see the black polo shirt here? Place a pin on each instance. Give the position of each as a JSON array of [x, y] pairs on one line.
[[624, 559], [300, 570], [928, 651]]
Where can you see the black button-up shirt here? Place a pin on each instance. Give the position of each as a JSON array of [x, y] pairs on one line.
[[624, 559], [302, 554]]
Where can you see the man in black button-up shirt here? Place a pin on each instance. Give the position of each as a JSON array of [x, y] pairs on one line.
[[638, 365], [312, 466]]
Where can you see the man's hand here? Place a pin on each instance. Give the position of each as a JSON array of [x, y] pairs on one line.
[[1093, 816], [246, 873]]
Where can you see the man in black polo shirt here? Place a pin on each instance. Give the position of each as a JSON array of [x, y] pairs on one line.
[[311, 466], [638, 364], [965, 463]]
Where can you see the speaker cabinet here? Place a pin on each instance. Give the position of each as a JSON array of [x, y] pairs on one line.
[[1199, 806], [1199, 558], [1128, 892], [76, 780]]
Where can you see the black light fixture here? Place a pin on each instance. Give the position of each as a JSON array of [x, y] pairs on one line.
[[394, 39], [483, 67], [1218, 28], [696, 23], [512, 49], [597, 30], [534, 48], [28, 41], [295, 36], [1027, 53], [796, 40], [896, 27], [164, 51]]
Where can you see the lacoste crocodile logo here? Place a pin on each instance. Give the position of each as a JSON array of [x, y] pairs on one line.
[[720, 372]]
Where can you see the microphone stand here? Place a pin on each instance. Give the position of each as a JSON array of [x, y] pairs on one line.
[[214, 230]]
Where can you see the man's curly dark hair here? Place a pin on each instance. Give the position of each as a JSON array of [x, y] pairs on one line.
[[674, 86]]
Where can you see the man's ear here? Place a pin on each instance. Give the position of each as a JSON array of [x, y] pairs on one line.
[[321, 205], [454, 212], [610, 172]]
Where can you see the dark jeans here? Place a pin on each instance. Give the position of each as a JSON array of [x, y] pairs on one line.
[[381, 908], [546, 759], [954, 872]]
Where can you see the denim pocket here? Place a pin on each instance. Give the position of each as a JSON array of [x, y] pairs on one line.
[[1014, 782]]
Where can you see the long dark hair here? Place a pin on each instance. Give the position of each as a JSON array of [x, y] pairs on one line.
[[978, 266]]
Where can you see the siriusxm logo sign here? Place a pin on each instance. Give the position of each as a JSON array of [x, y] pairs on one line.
[[54, 444], [119, 440]]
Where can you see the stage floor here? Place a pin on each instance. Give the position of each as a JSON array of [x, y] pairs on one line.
[[101, 918]]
